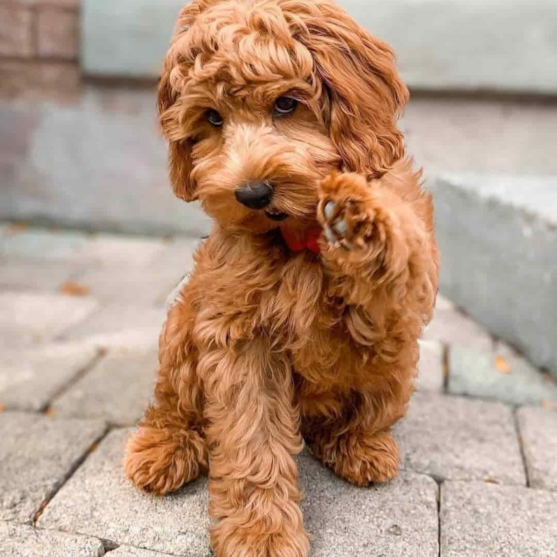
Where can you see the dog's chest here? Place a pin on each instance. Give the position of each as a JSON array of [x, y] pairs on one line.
[[305, 317], [293, 305]]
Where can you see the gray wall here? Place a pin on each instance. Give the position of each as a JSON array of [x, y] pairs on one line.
[[498, 45], [101, 163], [98, 164]]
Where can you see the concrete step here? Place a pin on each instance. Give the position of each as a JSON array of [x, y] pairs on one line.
[[498, 238], [458, 45], [101, 163]]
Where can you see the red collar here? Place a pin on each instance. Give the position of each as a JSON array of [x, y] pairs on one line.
[[298, 242]]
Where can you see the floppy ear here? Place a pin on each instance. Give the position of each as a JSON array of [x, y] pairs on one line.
[[179, 150], [362, 92], [169, 104]]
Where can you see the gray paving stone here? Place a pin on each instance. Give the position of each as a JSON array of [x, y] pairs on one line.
[[459, 439], [27, 318], [29, 379], [117, 389], [430, 367], [123, 285], [109, 249], [37, 453], [479, 519], [538, 430], [452, 327], [42, 244], [99, 501], [499, 375], [398, 519], [443, 303], [17, 540], [43, 276], [121, 326], [177, 254]]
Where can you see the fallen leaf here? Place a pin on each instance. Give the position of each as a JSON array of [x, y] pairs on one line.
[[17, 228], [502, 365], [445, 369], [40, 511], [548, 404], [50, 412], [71, 288]]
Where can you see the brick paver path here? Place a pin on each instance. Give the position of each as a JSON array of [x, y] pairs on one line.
[[79, 320]]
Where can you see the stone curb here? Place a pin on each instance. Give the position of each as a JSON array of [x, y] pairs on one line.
[[497, 236]]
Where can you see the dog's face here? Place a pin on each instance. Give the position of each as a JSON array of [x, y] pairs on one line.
[[260, 99]]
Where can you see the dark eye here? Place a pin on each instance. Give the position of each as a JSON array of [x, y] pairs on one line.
[[285, 105], [214, 118]]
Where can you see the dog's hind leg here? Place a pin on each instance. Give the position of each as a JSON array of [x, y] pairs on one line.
[[356, 443], [168, 450]]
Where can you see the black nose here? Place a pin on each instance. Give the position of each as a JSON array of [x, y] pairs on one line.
[[255, 196]]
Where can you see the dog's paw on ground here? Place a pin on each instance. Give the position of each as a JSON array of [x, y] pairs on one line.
[[256, 541], [159, 463], [360, 460]]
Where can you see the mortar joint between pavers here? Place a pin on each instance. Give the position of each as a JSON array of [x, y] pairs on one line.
[[69, 475], [439, 521], [100, 354], [61, 336], [521, 445], [439, 482], [445, 366], [109, 545]]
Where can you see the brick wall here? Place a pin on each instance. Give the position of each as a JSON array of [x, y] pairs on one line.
[[39, 48]]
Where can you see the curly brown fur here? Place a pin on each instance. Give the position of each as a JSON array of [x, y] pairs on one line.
[[266, 346]]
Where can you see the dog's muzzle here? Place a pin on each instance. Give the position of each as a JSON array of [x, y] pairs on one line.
[[255, 196]]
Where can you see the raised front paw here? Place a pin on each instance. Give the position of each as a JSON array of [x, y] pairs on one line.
[[349, 213]]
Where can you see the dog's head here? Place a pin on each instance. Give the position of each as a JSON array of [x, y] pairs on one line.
[[260, 99]]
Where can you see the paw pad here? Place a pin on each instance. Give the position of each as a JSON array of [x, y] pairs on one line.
[[335, 224]]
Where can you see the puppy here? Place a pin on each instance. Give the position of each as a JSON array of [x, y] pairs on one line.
[[301, 318]]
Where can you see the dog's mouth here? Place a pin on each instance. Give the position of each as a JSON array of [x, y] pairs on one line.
[[276, 216]]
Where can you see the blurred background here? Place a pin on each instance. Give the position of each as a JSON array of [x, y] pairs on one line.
[[92, 240], [80, 148]]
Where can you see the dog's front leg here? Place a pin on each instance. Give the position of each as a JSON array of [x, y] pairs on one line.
[[252, 436], [380, 254], [168, 450], [377, 245]]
